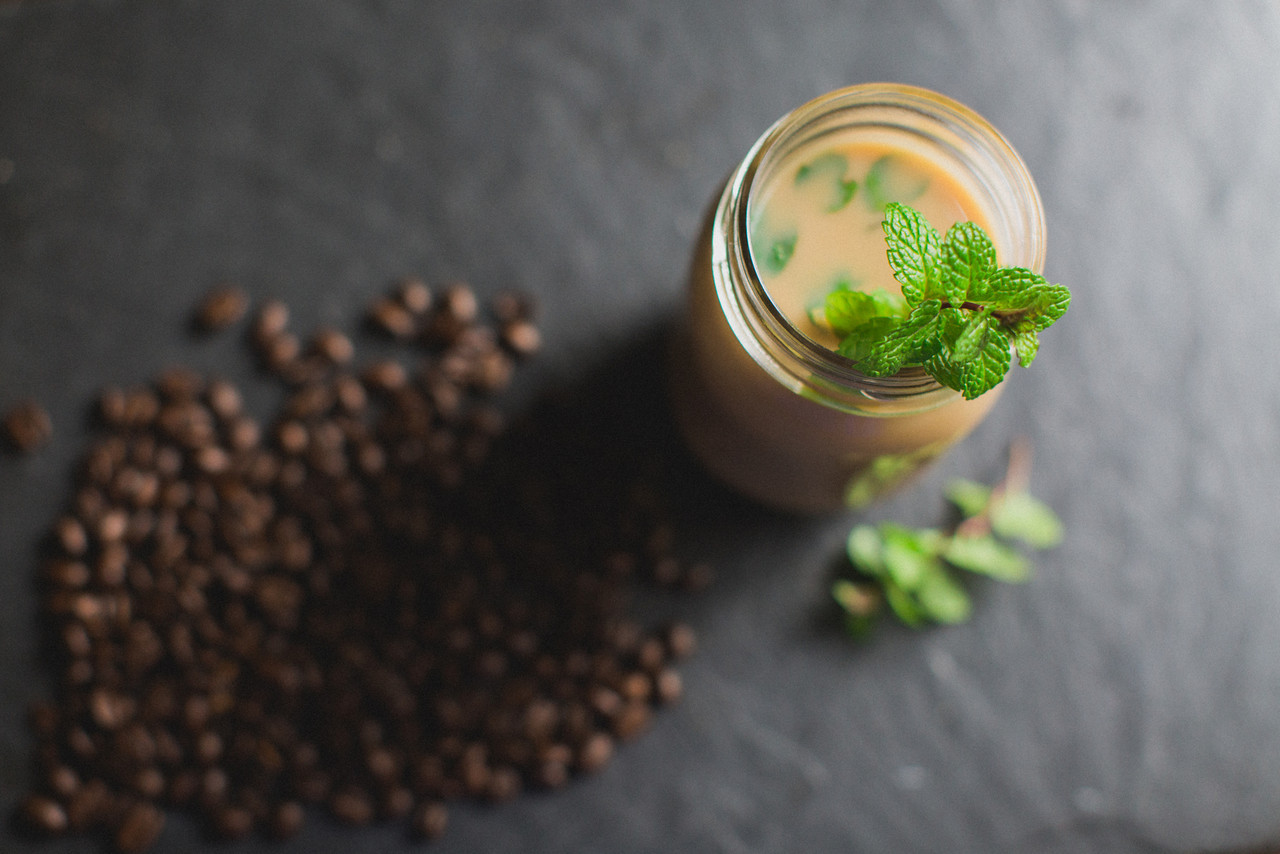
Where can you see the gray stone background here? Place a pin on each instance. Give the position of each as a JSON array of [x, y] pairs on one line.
[[1126, 700]]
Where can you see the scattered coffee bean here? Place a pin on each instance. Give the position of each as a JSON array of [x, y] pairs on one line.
[[429, 820], [45, 815], [139, 828], [415, 296], [221, 307], [27, 427], [522, 337], [391, 318], [286, 819]]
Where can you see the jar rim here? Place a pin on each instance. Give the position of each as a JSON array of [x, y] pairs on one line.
[[788, 353]]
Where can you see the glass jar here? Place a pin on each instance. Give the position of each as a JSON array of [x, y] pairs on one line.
[[781, 417]]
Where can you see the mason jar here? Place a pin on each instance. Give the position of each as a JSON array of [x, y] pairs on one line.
[[766, 405]]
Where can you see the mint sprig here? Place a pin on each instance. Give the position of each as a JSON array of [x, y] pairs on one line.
[[962, 317], [914, 573]]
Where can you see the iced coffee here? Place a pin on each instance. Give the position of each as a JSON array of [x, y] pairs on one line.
[[760, 392]]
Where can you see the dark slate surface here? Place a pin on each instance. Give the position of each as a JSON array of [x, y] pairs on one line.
[[1127, 700]]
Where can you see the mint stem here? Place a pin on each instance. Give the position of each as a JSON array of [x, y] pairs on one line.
[[1004, 316], [1017, 478]]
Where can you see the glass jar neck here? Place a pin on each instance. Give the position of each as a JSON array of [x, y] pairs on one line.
[[972, 152]]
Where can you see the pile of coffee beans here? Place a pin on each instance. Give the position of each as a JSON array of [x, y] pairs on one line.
[[372, 603]]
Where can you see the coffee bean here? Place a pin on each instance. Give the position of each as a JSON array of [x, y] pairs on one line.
[[71, 536], [232, 822], [509, 307], [27, 426], [522, 338], [393, 318], [286, 820], [44, 814], [594, 753], [333, 346], [89, 805], [139, 829], [221, 307], [352, 806], [668, 686], [681, 640], [429, 820], [414, 295], [272, 320]]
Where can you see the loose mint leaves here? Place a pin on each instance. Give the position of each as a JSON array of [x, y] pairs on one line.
[[889, 180], [826, 175], [961, 318], [913, 573]]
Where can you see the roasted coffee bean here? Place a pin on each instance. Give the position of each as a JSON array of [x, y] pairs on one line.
[[681, 640], [286, 819], [459, 302], [221, 307], [429, 820], [509, 307], [232, 822], [352, 806], [522, 338], [668, 686], [89, 805], [414, 295], [27, 426], [594, 753], [333, 346], [391, 317], [71, 536], [272, 320], [44, 814], [631, 719], [139, 828]]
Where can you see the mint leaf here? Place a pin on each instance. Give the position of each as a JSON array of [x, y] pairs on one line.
[[986, 556], [865, 548], [779, 253], [905, 343], [914, 252], [979, 374], [1052, 301], [859, 341], [1027, 297], [973, 336], [943, 599], [907, 560], [845, 310], [1013, 288], [888, 181], [860, 602], [904, 605], [969, 496], [827, 174], [968, 261], [1021, 516], [1027, 343]]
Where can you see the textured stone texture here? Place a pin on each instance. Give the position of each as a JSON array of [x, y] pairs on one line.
[[1128, 700]]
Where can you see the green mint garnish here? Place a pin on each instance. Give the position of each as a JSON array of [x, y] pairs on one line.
[[961, 317], [913, 571]]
